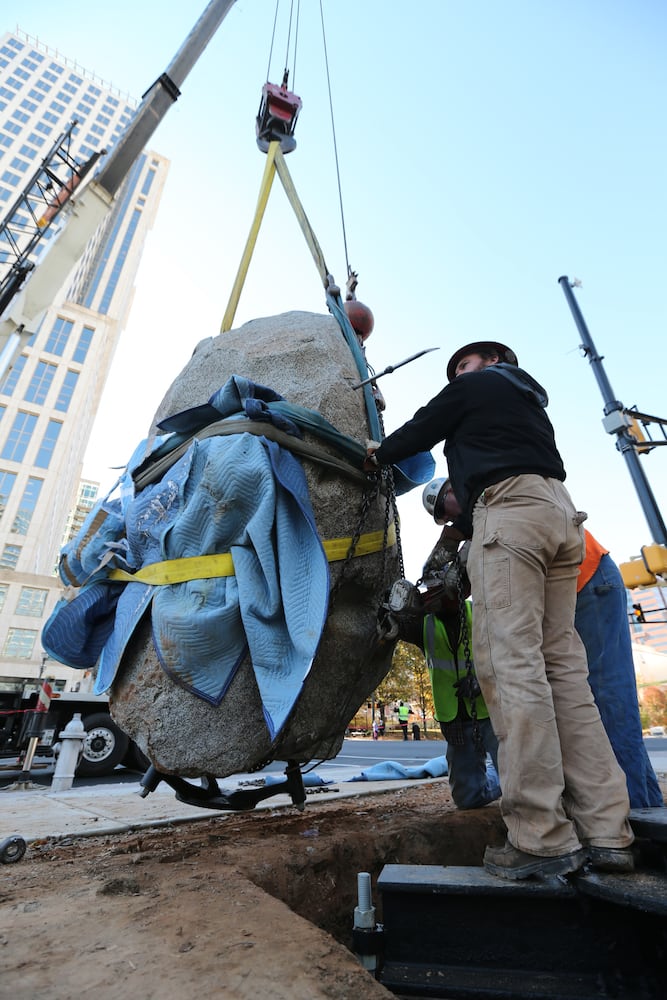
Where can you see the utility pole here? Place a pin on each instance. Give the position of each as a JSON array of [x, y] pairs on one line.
[[617, 422]]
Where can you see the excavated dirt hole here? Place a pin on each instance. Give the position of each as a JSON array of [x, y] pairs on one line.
[[321, 856], [146, 897], [309, 860]]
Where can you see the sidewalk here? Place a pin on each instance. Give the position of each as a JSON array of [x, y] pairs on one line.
[[39, 814]]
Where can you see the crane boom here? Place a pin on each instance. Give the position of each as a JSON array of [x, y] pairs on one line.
[[616, 421], [21, 317]]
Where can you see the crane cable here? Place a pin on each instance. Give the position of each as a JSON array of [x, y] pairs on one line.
[[331, 109], [335, 145], [289, 36]]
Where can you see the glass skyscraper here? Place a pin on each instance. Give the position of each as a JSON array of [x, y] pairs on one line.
[[49, 398]]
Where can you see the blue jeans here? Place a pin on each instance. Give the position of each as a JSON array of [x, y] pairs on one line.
[[473, 778], [601, 620]]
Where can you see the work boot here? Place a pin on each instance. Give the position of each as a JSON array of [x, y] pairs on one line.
[[509, 862], [611, 859]]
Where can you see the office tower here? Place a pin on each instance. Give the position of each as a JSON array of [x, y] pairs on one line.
[[49, 398]]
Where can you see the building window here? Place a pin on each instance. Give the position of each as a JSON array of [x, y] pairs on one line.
[[88, 494], [148, 180], [40, 383], [31, 602], [19, 437], [8, 383], [10, 556], [59, 336], [27, 506], [4, 590], [81, 349], [18, 164], [119, 262], [66, 391], [48, 444], [7, 480], [20, 643]]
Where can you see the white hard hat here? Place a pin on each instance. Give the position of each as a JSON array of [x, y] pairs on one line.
[[439, 500]]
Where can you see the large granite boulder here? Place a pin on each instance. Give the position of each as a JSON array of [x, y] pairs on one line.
[[305, 358]]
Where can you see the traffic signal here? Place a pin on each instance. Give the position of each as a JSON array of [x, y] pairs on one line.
[[642, 444], [655, 559], [636, 574], [638, 614]]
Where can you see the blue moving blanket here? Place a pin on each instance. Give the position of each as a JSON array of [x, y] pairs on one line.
[[242, 494], [247, 496], [390, 770]]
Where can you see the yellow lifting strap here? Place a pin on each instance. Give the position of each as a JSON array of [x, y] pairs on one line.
[[207, 567], [274, 161]]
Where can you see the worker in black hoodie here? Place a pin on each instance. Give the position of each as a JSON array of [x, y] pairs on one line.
[[564, 799]]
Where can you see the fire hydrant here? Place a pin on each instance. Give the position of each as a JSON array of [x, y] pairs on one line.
[[72, 736]]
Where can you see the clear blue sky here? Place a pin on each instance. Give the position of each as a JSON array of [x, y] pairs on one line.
[[484, 149]]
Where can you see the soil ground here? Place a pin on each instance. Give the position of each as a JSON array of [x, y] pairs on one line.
[[243, 905]]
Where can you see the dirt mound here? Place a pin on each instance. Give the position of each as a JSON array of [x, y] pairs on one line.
[[241, 905]]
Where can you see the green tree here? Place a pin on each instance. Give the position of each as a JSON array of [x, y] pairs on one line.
[[408, 680], [654, 706]]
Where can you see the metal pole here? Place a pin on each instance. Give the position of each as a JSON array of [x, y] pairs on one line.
[[160, 96], [617, 422]]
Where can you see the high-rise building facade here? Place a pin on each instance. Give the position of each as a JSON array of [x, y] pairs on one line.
[[49, 398]]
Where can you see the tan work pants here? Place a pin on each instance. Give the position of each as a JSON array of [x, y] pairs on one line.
[[561, 784]]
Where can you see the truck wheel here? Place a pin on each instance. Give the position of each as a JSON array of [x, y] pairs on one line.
[[135, 759], [12, 850], [104, 746]]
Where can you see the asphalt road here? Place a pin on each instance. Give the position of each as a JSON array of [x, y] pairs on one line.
[[357, 754]]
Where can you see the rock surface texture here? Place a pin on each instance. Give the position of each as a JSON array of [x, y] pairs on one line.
[[304, 357]]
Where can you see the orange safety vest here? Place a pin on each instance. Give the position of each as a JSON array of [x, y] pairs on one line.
[[594, 553]]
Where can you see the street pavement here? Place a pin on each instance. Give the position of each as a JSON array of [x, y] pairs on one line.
[[35, 813]]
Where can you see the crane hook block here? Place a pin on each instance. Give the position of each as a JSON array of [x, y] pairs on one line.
[[276, 118]]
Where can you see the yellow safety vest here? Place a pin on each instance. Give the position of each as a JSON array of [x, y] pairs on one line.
[[442, 662]]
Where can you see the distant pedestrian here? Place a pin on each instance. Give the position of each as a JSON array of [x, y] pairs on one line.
[[404, 712], [376, 729]]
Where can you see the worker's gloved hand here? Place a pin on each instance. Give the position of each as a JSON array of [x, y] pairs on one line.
[[371, 463], [443, 552], [449, 575], [463, 553]]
